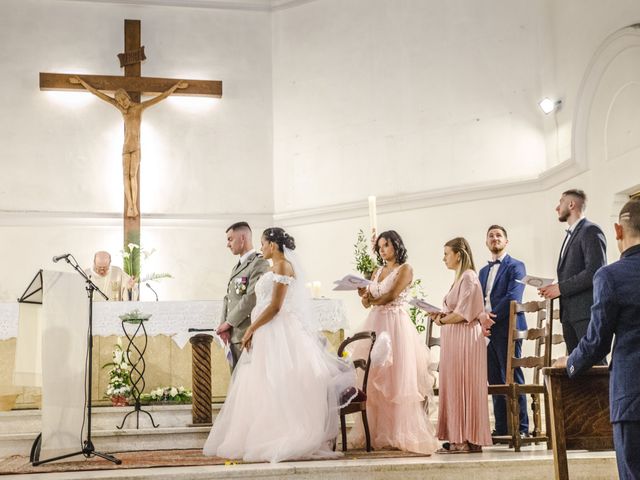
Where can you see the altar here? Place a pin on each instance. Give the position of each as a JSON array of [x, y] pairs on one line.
[[168, 353]]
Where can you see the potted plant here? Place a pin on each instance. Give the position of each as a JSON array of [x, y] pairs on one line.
[[119, 387], [365, 263]]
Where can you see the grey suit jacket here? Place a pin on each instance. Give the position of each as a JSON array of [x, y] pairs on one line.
[[241, 296], [585, 253]]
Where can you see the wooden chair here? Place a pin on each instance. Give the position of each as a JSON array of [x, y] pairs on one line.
[[513, 390], [433, 341], [550, 321], [359, 404]]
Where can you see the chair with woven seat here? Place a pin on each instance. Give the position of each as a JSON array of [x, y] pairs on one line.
[[513, 390], [359, 403]]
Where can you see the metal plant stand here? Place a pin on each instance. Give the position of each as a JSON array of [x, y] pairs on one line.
[[135, 357]]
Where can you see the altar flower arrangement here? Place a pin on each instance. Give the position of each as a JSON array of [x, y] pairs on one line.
[[168, 395], [132, 265], [365, 263], [134, 315], [241, 285], [417, 315], [119, 386]]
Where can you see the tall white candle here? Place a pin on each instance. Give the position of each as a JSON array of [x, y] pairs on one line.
[[373, 221], [315, 289]]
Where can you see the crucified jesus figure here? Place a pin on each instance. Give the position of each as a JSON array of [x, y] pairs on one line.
[[132, 115]]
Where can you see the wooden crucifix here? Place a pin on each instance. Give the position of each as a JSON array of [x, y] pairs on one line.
[[128, 91]]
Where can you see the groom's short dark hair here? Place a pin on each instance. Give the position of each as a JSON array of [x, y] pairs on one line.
[[238, 226]]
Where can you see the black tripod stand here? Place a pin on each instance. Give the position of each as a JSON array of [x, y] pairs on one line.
[[88, 450]]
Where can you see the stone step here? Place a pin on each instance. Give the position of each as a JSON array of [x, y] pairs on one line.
[[104, 418], [19, 428]]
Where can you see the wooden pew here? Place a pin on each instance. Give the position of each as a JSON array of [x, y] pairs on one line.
[[579, 410]]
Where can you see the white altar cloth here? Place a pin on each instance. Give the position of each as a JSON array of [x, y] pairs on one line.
[[171, 318]]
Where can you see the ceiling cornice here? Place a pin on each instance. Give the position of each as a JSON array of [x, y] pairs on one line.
[[251, 5]]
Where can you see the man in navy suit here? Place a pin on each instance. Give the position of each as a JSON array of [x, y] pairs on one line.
[[583, 252], [498, 280], [616, 311]]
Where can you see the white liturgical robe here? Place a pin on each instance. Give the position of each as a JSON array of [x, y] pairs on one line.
[[115, 285]]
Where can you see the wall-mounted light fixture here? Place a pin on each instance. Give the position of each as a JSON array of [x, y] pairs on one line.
[[547, 105]]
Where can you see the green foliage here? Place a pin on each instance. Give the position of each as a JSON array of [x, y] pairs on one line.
[[131, 263], [417, 315], [365, 263]]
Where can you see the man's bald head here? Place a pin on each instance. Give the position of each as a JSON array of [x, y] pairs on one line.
[[102, 263]]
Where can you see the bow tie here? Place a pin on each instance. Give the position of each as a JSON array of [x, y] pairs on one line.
[[568, 230], [494, 262]]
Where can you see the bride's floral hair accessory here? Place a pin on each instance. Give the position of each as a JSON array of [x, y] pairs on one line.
[[281, 238]]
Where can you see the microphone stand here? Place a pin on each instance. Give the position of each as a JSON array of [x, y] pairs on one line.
[[88, 450], [150, 288]]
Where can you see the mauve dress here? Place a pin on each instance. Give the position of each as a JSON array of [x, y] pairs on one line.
[[463, 413]]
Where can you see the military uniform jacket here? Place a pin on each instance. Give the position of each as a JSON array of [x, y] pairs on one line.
[[241, 296]]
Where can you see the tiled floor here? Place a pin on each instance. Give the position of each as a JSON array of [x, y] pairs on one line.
[[533, 463]]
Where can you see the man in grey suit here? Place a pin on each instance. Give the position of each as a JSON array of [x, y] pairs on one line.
[[241, 297], [583, 252]]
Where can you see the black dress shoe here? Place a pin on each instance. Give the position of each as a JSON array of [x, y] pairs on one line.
[[495, 433]]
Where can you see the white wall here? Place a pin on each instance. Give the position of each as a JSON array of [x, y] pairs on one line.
[[598, 80], [367, 97], [61, 182], [372, 96]]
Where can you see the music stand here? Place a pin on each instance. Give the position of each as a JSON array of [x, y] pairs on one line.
[[88, 450]]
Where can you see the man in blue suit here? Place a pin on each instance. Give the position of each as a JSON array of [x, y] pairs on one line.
[[616, 311], [498, 280], [583, 252]]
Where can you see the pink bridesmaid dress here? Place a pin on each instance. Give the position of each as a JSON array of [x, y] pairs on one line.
[[463, 413], [397, 388]]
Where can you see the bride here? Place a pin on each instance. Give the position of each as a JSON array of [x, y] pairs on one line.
[[283, 399]]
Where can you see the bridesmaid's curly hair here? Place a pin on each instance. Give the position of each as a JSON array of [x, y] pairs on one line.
[[394, 238], [281, 238]]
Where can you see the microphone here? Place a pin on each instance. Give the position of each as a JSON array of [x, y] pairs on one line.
[[154, 292], [64, 256]]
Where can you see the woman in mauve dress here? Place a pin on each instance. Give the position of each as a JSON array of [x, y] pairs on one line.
[[399, 377], [463, 413]]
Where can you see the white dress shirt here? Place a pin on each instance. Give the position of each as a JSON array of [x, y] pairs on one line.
[[493, 271]]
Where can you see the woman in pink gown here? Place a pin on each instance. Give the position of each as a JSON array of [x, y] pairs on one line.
[[398, 383], [463, 413]]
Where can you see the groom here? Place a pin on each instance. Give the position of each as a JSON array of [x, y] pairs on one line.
[[241, 297]]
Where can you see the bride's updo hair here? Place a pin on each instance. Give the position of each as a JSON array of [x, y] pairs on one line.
[[281, 238]]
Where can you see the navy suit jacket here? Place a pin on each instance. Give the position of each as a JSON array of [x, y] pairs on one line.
[[615, 311], [505, 288], [585, 253]]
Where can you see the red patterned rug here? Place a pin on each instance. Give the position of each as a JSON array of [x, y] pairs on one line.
[[17, 464]]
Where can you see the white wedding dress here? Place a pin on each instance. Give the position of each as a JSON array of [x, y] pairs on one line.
[[282, 402]]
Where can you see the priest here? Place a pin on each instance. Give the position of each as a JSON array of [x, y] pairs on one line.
[[111, 280]]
